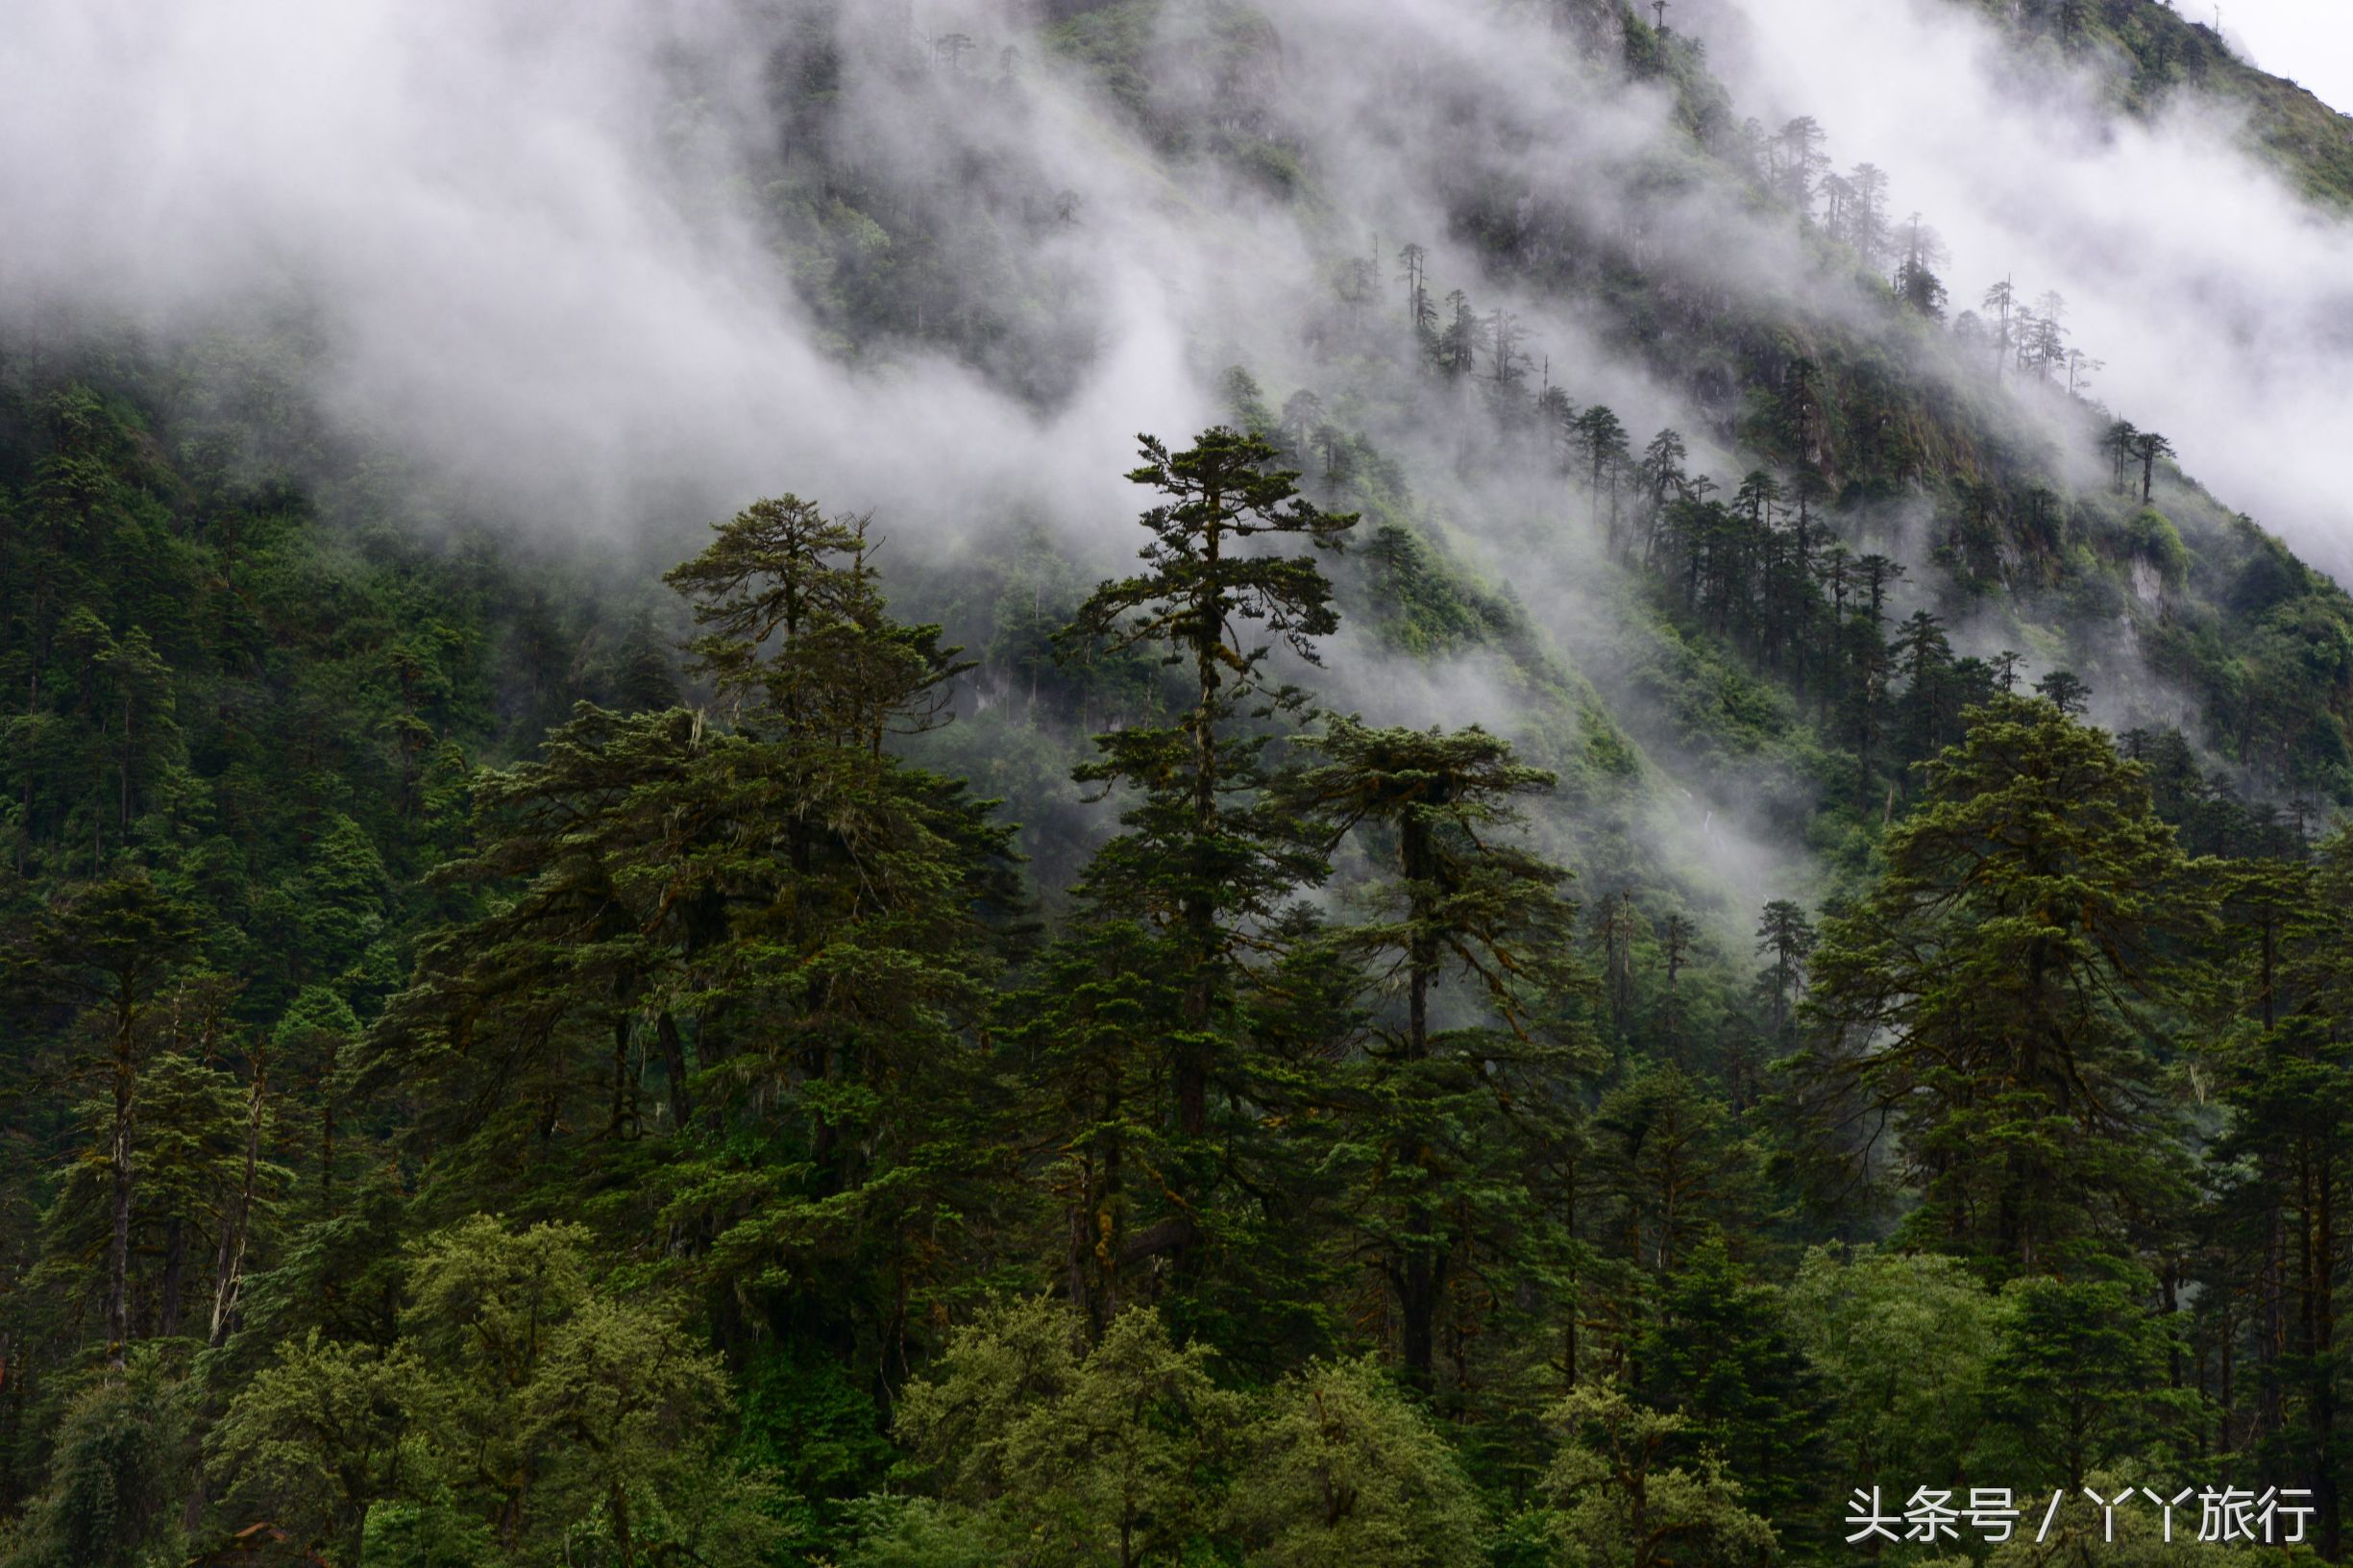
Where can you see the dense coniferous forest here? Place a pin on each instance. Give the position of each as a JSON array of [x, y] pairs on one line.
[[1615, 911]]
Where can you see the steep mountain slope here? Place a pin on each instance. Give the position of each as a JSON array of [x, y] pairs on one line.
[[2152, 52], [529, 1039]]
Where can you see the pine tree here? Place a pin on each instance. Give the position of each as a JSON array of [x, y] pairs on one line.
[[2148, 445], [1509, 362], [119, 1476], [1203, 855], [1799, 163], [2064, 692], [2002, 300], [773, 914], [2119, 441], [2076, 1376], [2009, 972], [1720, 1356], [1927, 712], [2278, 1175], [642, 679], [1099, 1015], [1457, 345], [1604, 440], [1867, 216], [1786, 936], [1917, 283], [1615, 926], [1663, 475], [1449, 1107], [1669, 1165], [795, 628], [1677, 935], [108, 950], [1420, 314]]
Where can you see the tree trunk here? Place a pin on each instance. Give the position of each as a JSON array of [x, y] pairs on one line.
[[673, 1069], [1420, 1283], [619, 1114], [1198, 910], [175, 1271], [624, 1544], [1097, 1247], [118, 1245], [229, 1266], [1422, 1275]]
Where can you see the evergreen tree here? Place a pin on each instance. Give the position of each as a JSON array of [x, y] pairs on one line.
[[117, 1480], [796, 626], [1602, 438], [1420, 312], [2148, 445], [2119, 440], [1928, 713], [642, 680], [2064, 692], [1786, 936], [1457, 345], [1452, 1110], [1085, 1037], [2010, 973], [1203, 854], [1917, 283], [2002, 301], [1669, 1167], [2076, 1376], [777, 911], [1799, 163], [2278, 1171], [1719, 1357], [108, 951]]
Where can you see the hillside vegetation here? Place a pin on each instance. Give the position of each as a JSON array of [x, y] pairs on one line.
[[1512, 984]]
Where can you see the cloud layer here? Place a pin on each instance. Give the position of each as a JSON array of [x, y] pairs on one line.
[[2221, 302], [535, 243], [518, 270]]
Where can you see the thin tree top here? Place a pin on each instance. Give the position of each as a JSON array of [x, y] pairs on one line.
[[1224, 489], [1467, 777]]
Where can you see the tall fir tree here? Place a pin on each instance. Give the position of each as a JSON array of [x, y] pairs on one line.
[[1999, 994], [1205, 856]]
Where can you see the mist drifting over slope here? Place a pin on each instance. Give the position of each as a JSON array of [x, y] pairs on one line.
[[543, 250], [518, 230], [529, 232], [2221, 302]]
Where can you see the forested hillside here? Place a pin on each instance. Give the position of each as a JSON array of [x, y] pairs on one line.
[[1640, 889]]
